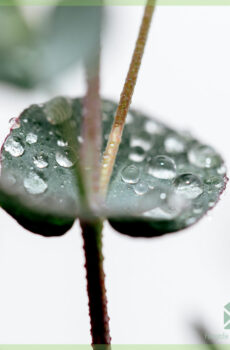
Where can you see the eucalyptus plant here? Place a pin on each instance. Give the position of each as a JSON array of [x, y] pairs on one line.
[[93, 159]]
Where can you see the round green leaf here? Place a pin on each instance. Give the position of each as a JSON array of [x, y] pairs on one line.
[[163, 180]]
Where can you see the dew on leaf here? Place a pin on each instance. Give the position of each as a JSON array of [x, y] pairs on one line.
[[143, 141], [62, 143], [173, 144], [188, 185], [31, 138], [34, 184], [14, 147], [65, 158], [129, 118], [162, 167], [141, 188], [58, 110], [153, 127], [204, 156], [130, 174], [41, 160], [14, 123], [137, 154]]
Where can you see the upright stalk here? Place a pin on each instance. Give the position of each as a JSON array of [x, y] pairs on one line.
[[115, 136], [92, 225], [95, 184], [92, 235]]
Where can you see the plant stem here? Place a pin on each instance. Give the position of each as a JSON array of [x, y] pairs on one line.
[[91, 131], [92, 236], [114, 140]]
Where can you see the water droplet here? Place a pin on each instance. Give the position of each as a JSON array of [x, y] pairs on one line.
[[34, 184], [14, 147], [222, 170], [41, 160], [14, 123], [80, 139], [137, 154], [162, 167], [163, 195], [129, 118], [174, 144], [31, 138], [153, 127], [65, 158], [62, 143], [141, 188], [130, 174], [214, 181], [58, 110], [143, 141], [204, 156], [188, 185]]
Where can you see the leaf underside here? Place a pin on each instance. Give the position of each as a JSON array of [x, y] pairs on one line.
[[163, 180]]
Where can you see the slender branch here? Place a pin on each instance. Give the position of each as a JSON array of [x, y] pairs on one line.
[[114, 140], [92, 236]]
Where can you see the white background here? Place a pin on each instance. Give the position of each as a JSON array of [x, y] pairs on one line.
[[157, 288]]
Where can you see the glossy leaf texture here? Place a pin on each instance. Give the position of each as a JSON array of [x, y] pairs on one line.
[[163, 180], [32, 55]]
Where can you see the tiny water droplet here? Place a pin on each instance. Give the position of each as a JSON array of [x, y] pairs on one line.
[[214, 181], [188, 185], [222, 170], [41, 160], [14, 147], [163, 196], [153, 127], [130, 174], [31, 138], [141, 188], [174, 144], [34, 184], [143, 140], [14, 123], [62, 143], [129, 118], [65, 158], [137, 154], [204, 156], [58, 110], [80, 139], [162, 167]]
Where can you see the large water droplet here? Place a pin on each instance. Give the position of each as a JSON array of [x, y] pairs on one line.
[[65, 158], [41, 160], [34, 184], [188, 185], [14, 147], [31, 138], [204, 156], [14, 123], [174, 144], [137, 154], [141, 188], [130, 174], [162, 167], [58, 110]]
